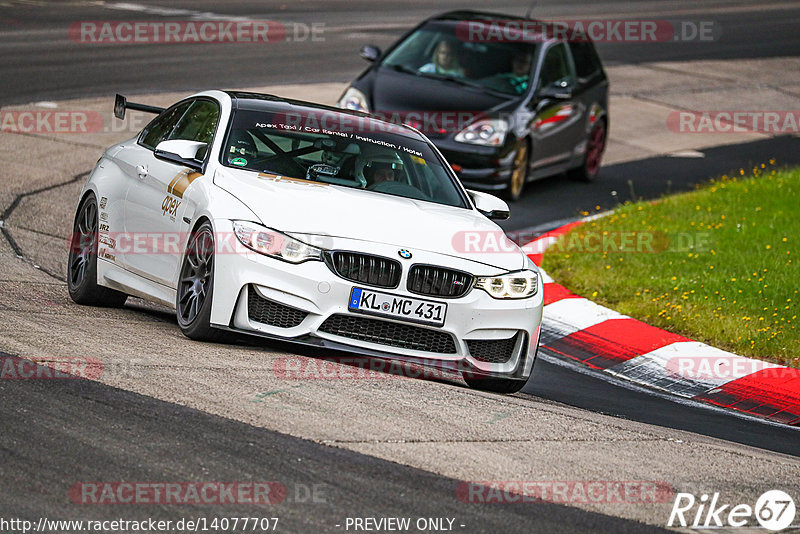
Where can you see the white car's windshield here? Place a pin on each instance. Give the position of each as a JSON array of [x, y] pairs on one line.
[[339, 149], [440, 50]]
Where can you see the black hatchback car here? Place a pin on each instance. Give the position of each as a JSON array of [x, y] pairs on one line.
[[503, 99]]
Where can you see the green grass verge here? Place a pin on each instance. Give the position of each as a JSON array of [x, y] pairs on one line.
[[717, 264]]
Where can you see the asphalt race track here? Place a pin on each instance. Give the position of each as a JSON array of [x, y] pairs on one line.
[[34, 430], [379, 448]]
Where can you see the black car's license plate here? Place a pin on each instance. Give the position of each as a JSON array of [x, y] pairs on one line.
[[397, 306]]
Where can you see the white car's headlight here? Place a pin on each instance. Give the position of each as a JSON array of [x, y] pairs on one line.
[[516, 285], [353, 99], [273, 243], [489, 132]]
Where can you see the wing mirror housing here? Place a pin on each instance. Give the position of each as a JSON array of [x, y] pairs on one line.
[[489, 205], [370, 52], [181, 151], [556, 91]]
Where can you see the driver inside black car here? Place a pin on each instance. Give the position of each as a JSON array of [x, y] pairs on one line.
[[517, 79]]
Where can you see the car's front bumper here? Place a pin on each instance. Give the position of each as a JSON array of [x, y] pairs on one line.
[[479, 167], [316, 291]]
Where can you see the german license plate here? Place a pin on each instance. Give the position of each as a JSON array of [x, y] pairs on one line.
[[397, 307]]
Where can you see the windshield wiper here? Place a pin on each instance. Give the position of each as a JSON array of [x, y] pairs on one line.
[[462, 81], [447, 78], [403, 68]]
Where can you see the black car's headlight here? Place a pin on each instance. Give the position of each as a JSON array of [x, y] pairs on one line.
[[272, 243], [488, 132], [353, 99], [516, 285]]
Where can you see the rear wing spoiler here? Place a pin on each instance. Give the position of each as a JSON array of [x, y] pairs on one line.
[[121, 104]]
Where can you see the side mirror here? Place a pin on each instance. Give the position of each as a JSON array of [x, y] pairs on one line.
[[489, 205], [556, 91], [182, 152], [370, 52]]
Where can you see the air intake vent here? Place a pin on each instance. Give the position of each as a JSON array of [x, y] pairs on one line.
[[272, 313], [391, 334], [492, 350], [439, 281], [366, 269]]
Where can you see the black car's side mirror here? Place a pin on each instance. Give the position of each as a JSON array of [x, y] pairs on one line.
[[556, 91], [370, 52]]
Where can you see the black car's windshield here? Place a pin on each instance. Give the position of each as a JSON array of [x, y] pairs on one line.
[[441, 49], [339, 149]]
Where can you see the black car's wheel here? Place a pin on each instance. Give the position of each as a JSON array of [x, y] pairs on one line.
[[596, 145], [494, 385], [82, 261], [195, 287], [519, 172]]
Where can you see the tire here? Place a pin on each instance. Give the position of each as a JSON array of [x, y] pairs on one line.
[[494, 385], [194, 295], [82, 260], [596, 145], [519, 172]]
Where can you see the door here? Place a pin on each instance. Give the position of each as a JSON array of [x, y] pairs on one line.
[[557, 127], [155, 202]]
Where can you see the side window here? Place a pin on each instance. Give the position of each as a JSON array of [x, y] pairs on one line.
[[198, 123], [159, 128], [587, 63], [556, 67]]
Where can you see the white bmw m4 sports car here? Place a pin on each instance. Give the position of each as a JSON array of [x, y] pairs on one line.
[[255, 214]]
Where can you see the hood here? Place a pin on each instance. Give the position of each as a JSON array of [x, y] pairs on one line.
[[396, 91], [296, 206]]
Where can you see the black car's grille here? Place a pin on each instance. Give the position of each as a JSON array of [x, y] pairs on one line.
[[391, 334], [438, 281], [272, 313], [366, 269], [492, 350]]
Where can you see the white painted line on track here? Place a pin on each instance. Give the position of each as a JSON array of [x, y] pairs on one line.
[[579, 313], [172, 12], [648, 390]]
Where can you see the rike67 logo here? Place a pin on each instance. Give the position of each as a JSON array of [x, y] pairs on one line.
[[774, 511]]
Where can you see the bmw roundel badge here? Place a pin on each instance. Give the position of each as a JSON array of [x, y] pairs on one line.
[[404, 253]]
